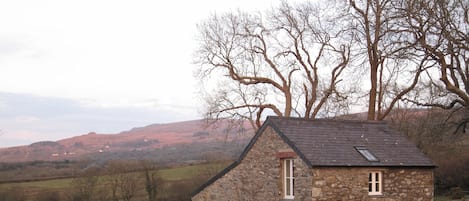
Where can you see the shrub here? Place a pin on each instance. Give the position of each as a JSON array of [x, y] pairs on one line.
[[48, 196], [12, 194], [456, 193]]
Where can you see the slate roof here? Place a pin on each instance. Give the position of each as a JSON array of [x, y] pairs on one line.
[[334, 142]]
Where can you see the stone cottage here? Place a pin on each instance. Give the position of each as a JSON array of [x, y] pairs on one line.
[[299, 159]]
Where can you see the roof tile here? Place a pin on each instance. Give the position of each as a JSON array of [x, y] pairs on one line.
[[332, 142]]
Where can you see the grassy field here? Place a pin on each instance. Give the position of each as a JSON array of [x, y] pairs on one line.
[[175, 183], [188, 172]]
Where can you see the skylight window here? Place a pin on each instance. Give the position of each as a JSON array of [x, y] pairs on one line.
[[367, 154]]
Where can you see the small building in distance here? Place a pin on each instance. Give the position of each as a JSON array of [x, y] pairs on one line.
[[301, 159]]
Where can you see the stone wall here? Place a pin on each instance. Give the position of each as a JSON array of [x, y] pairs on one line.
[[352, 184], [258, 176]]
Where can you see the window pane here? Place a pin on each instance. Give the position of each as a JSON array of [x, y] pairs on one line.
[[374, 183], [293, 186], [288, 178], [367, 154]]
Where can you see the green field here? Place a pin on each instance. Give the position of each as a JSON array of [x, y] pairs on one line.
[[175, 183]]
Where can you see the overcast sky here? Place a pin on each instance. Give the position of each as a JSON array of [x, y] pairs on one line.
[[72, 67]]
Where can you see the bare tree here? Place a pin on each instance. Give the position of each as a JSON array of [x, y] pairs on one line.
[[152, 180], [128, 186], [84, 188], [122, 182], [48, 196], [378, 27], [287, 62], [442, 31], [13, 194]]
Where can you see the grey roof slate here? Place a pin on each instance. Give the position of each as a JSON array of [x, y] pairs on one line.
[[332, 142]]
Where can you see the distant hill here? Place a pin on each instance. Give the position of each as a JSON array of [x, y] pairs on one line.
[[188, 141], [157, 141]]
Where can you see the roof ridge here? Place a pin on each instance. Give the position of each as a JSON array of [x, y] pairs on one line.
[[329, 120]]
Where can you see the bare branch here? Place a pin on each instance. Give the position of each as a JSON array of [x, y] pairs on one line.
[[275, 65]]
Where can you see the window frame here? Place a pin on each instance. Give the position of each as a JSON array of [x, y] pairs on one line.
[[288, 180], [375, 179], [367, 154]]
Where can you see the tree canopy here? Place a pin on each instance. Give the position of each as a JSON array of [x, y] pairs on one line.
[[311, 59]]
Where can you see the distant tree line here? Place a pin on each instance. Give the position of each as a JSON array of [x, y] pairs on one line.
[[122, 180]]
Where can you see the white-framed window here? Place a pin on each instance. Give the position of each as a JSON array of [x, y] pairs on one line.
[[288, 179], [375, 183]]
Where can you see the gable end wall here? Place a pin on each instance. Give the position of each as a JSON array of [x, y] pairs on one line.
[[257, 176]]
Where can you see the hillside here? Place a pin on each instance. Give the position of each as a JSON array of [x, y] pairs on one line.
[[435, 132], [192, 135]]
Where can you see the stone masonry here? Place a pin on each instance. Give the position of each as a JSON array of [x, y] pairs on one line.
[[351, 183], [257, 177]]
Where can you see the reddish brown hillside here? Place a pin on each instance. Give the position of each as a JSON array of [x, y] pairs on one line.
[[137, 139]]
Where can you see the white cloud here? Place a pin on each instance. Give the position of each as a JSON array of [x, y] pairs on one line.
[[3, 106], [26, 119], [23, 135], [108, 51], [109, 60]]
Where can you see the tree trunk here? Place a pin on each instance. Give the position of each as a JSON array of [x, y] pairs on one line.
[[373, 91]]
